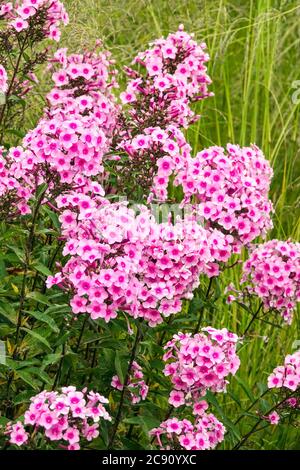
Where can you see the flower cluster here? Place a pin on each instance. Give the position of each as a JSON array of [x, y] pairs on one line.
[[154, 154], [288, 375], [123, 260], [195, 364], [220, 246], [65, 149], [73, 136], [136, 385], [230, 191], [68, 416], [3, 80], [200, 362], [205, 433], [14, 194], [22, 15], [149, 142], [175, 76], [17, 434], [272, 272]]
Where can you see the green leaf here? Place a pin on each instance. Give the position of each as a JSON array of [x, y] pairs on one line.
[[41, 268], [153, 408], [245, 387], [53, 216], [244, 306], [27, 377], [157, 364], [146, 421], [51, 359], [195, 305], [264, 405], [6, 330], [38, 297], [62, 309], [133, 420], [226, 421], [17, 99], [41, 374], [16, 132], [131, 445], [62, 339], [41, 190], [20, 254], [27, 363], [37, 336], [235, 398], [44, 318], [105, 343], [8, 312], [4, 420], [3, 272], [121, 366], [22, 397], [217, 289]]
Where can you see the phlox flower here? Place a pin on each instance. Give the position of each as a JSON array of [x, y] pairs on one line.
[[285, 378], [200, 407], [136, 385], [121, 261], [187, 76], [173, 425], [199, 363], [74, 446], [174, 74], [91, 432], [54, 433], [3, 79], [47, 420], [274, 417], [272, 272], [67, 146], [71, 435], [22, 15], [176, 398], [19, 24], [204, 433], [17, 434], [230, 190], [66, 416]]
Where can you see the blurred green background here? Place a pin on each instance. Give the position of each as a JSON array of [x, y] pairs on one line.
[[255, 62]]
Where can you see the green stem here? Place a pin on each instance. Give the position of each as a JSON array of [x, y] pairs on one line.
[[78, 343], [253, 319], [254, 428], [122, 397], [28, 250], [21, 306], [196, 330], [81, 333], [251, 406], [15, 72], [56, 378]]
